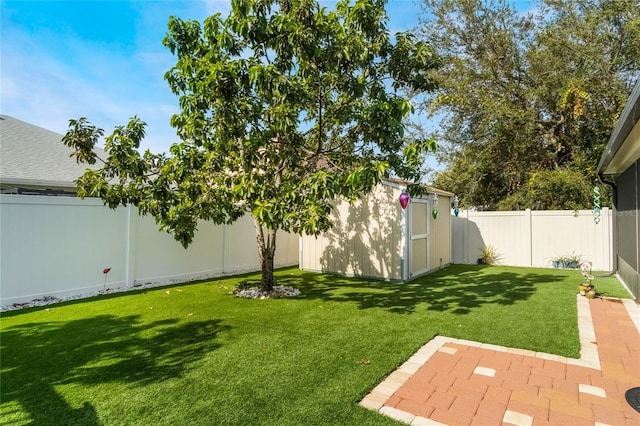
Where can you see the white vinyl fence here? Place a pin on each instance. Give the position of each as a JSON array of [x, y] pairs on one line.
[[534, 238], [60, 246]]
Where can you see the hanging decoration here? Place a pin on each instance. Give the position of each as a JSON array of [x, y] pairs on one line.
[[456, 210], [596, 204], [434, 200], [404, 199]]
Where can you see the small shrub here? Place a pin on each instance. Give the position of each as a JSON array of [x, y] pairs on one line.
[[571, 261], [488, 256], [559, 262]]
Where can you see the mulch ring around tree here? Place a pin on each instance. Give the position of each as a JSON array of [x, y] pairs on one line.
[[250, 291]]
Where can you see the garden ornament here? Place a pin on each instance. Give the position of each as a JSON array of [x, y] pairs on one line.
[[404, 199]]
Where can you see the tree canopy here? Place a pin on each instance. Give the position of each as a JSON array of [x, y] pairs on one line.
[[529, 99], [285, 106]]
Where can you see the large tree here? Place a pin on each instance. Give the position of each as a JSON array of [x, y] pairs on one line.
[[285, 106], [529, 98]]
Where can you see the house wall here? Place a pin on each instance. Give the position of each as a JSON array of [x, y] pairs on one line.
[[534, 238], [59, 246], [364, 241], [627, 227]]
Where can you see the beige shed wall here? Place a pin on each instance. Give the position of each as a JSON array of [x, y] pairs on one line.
[[364, 241], [367, 237]]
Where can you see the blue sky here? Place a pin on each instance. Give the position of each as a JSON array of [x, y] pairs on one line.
[[104, 60]]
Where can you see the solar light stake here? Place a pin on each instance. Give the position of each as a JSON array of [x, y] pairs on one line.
[[105, 271]]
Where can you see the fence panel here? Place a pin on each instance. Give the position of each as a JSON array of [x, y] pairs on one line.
[[59, 246], [160, 259], [534, 238]]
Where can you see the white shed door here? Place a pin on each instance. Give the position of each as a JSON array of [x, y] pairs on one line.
[[419, 247]]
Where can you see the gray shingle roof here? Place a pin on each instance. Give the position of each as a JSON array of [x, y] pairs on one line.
[[31, 156]]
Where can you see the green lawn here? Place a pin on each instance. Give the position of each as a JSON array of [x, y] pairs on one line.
[[193, 354]]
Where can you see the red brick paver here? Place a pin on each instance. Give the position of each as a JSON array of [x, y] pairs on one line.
[[460, 382]]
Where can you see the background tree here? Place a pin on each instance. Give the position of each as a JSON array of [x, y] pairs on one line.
[[528, 101], [284, 107]]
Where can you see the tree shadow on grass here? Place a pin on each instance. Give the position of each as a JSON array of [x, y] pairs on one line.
[[37, 357], [457, 289]]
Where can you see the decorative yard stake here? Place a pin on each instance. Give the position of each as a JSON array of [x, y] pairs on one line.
[[587, 289], [596, 204], [434, 199], [404, 199], [456, 210], [105, 271]]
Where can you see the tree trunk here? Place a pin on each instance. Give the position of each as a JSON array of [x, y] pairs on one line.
[[266, 251], [267, 272]]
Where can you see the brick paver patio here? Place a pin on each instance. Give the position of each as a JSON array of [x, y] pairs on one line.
[[460, 382]]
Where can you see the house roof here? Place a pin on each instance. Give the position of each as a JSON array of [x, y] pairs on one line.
[[623, 148], [33, 157]]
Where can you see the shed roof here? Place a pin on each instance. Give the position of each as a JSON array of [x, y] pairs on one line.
[[31, 156], [623, 148]]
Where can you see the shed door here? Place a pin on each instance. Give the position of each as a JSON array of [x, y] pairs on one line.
[[419, 248]]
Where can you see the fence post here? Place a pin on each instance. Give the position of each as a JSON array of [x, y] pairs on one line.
[[130, 260], [225, 248], [530, 235], [465, 237]]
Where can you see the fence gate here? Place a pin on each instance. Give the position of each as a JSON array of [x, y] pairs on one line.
[[419, 247]]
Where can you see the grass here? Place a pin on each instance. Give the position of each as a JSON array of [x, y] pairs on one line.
[[194, 354]]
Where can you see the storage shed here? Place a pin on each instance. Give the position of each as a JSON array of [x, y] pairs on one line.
[[375, 237]]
